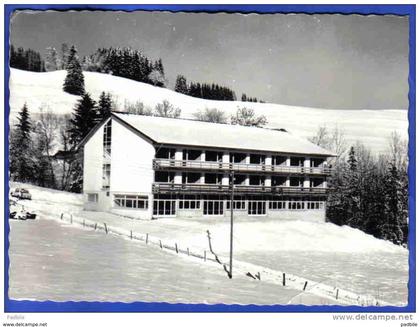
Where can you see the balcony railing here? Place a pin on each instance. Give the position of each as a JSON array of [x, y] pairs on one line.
[[241, 167], [219, 188]]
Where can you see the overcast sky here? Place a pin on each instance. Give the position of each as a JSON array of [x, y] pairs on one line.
[[326, 61]]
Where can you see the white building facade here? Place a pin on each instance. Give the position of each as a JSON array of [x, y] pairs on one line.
[[153, 167]]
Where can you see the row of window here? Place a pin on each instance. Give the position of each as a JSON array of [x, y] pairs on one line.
[[216, 207], [189, 204], [131, 201], [235, 157], [240, 179], [296, 205], [164, 207]]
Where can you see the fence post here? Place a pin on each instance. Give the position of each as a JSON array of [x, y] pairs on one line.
[[160, 243], [176, 248], [284, 279], [147, 238], [61, 217], [106, 228], [83, 223], [205, 255], [306, 284], [336, 295], [96, 225], [71, 219], [131, 234], [188, 251]]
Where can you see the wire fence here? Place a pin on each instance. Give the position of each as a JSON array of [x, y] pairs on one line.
[[263, 274]]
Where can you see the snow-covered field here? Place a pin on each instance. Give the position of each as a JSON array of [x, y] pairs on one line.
[[372, 127], [341, 257], [52, 261]]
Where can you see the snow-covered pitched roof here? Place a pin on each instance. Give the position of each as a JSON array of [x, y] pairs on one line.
[[203, 134]]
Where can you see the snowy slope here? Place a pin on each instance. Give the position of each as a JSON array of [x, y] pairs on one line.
[[370, 126]]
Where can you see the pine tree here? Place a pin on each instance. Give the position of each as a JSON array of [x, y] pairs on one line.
[[351, 190], [392, 229], [21, 167], [76, 176], [26, 59], [104, 106], [181, 84], [84, 119], [74, 82]]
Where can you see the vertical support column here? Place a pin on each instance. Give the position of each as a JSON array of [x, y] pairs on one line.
[[203, 156], [247, 180], [287, 181], [225, 179], [178, 154], [202, 180], [306, 182], [288, 161], [225, 160], [225, 157], [247, 159], [307, 162], [268, 167], [151, 199], [178, 177]]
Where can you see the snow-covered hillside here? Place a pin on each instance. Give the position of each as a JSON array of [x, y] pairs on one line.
[[372, 127]]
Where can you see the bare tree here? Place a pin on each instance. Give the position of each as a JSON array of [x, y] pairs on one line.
[[321, 137], [137, 108], [247, 117], [166, 109], [46, 129], [398, 151], [333, 140], [212, 115], [66, 165]]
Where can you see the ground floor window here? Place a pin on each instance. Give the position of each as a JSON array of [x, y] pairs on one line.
[[189, 204], [256, 208], [213, 207], [92, 197], [164, 207], [277, 205], [296, 205], [315, 205], [131, 201], [237, 205]]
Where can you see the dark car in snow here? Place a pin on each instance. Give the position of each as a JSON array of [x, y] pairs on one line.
[[21, 193]]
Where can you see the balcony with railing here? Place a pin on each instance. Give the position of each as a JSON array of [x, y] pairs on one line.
[[166, 164], [243, 189]]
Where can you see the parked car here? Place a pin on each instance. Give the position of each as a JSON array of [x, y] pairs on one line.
[[21, 193]]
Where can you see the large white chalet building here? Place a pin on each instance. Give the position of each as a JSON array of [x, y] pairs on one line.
[[152, 167]]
